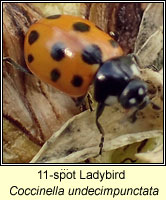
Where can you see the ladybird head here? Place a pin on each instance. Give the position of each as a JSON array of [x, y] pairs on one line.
[[134, 95]]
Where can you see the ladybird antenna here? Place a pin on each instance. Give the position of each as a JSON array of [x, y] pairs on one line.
[[136, 59], [99, 111]]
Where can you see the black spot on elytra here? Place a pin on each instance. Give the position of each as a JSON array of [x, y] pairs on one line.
[[57, 51], [80, 26], [77, 81], [114, 43], [55, 75], [33, 36], [92, 54], [53, 17], [30, 58]]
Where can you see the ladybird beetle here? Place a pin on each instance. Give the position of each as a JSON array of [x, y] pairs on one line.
[[66, 51], [71, 53]]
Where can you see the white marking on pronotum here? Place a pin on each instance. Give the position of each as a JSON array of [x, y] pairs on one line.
[[110, 100], [135, 70], [140, 91], [132, 101]]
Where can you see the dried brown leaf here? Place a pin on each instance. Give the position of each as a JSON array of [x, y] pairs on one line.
[[149, 43]]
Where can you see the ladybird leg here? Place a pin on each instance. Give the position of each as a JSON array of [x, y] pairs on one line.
[[90, 101], [136, 59], [16, 65], [80, 101], [99, 111], [133, 117]]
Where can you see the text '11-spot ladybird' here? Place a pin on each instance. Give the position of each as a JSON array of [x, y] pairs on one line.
[[71, 53]]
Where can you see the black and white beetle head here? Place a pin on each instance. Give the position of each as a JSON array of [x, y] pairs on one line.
[[134, 95]]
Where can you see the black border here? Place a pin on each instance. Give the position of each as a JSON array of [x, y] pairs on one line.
[[83, 164]]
